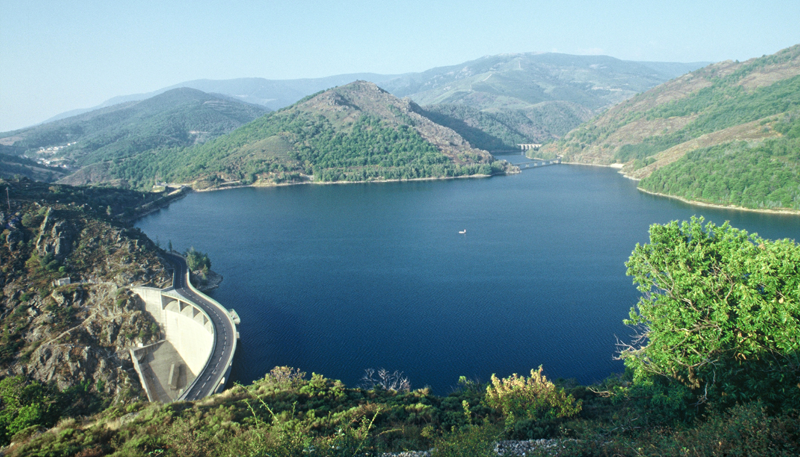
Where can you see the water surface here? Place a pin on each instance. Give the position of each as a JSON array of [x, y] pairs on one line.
[[334, 279]]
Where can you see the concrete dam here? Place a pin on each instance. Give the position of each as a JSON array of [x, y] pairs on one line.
[[195, 357]]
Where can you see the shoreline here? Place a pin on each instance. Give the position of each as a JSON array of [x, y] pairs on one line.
[[785, 212], [186, 189], [327, 183]]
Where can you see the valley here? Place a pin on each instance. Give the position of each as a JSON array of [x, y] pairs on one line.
[[419, 296]]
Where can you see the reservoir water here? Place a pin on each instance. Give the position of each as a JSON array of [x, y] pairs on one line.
[[335, 279]]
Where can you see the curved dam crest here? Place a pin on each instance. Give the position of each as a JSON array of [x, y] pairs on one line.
[[186, 364]]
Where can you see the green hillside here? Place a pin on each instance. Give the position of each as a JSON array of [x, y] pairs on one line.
[[177, 118], [356, 132], [725, 134], [511, 98], [11, 166]]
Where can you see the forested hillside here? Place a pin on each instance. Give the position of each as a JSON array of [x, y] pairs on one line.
[[356, 132], [177, 118], [11, 166], [495, 102], [725, 134]]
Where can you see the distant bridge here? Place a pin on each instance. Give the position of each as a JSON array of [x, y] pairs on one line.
[[526, 146], [537, 164]]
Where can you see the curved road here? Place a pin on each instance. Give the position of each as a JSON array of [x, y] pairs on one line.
[[210, 378]]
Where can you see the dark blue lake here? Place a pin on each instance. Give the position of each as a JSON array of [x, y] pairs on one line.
[[335, 279]]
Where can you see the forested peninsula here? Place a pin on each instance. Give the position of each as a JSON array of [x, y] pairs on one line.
[[355, 132]]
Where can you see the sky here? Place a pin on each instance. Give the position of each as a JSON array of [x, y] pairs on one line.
[[57, 55]]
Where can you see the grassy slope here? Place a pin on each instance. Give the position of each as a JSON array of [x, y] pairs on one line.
[[282, 416], [716, 107]]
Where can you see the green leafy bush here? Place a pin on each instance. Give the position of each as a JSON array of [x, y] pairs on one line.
[[720, 313]]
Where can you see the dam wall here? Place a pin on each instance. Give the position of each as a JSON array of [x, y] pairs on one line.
[[186, 326]]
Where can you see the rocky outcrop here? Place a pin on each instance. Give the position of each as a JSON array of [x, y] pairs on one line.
[[205, 281], [55, 237], [76, 333], [93, 347]]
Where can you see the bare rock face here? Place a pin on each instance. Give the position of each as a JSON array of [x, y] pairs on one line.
[[93, 346], [55, 237], [14, 239], [205, 281]]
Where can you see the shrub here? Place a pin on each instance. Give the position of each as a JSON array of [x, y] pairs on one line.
[[283, 377], [392, 381], [533, 398], [719, 313], [472, 441]]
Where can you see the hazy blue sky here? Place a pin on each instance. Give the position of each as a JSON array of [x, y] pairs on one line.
[[61, 55]]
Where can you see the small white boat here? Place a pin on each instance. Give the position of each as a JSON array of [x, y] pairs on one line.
[[463, 232]]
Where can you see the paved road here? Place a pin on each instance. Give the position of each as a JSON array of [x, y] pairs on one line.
[[209, 379]]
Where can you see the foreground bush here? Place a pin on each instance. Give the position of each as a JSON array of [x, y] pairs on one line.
[[720, 313], [533, 398]]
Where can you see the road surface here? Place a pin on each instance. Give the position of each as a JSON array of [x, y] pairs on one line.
[[208, 381]]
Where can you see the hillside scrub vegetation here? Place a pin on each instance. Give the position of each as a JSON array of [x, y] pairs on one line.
[[351, 133], [725, 134], [759, 175], [715, 373]]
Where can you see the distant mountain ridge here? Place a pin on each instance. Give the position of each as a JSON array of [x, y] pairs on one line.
[[176, 118], [272, 94], [592, 81], [530, 97], [492, 103]]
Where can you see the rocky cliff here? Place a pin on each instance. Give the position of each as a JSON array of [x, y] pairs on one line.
[[66, 313]]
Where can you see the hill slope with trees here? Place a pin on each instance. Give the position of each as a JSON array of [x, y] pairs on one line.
[[356, 132], [495, 102], [177, 118], [725, 134], [529, 97]]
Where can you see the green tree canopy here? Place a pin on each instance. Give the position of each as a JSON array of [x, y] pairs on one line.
[[197, 260], [720, 312]]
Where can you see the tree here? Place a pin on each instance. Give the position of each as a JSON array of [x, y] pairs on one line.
[[22, 405], [197, 260], [720, 312]]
